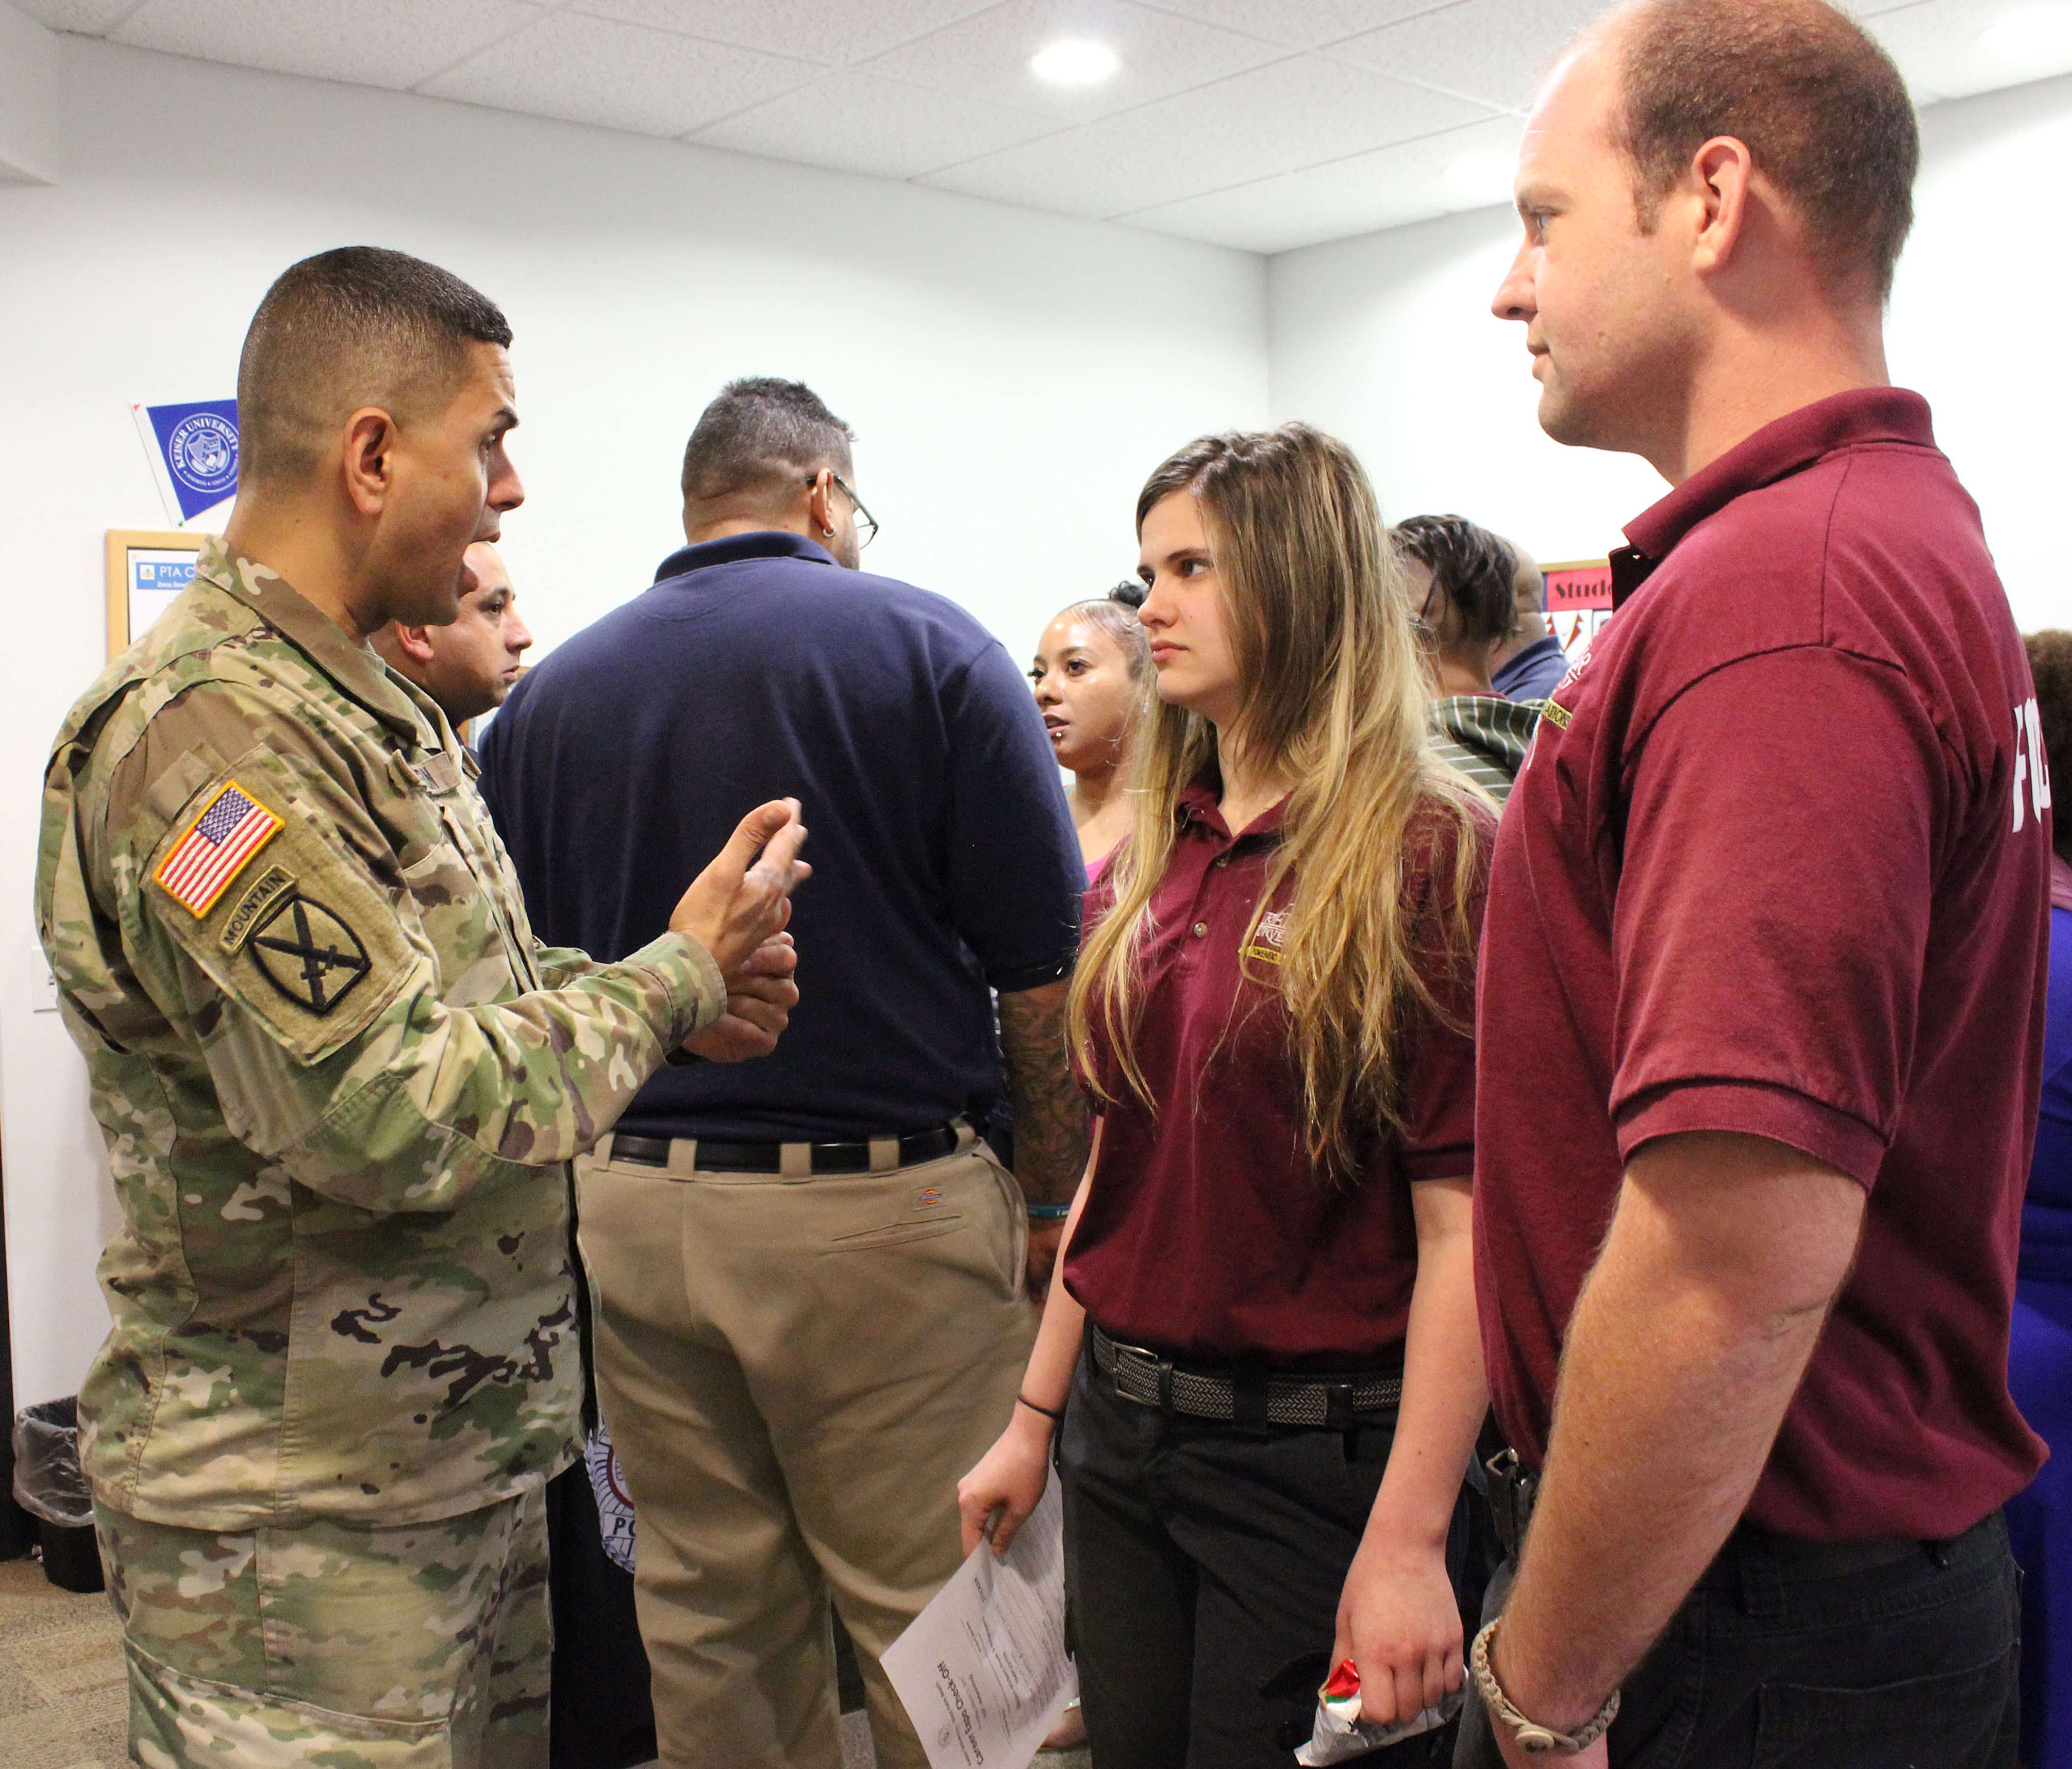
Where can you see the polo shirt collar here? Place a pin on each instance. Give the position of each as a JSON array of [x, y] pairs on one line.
[[1198, 804], [763, 543], [1864, 414]]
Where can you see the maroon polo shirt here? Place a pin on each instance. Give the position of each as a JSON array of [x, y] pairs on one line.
[[1779, 864], [1207, 1233]]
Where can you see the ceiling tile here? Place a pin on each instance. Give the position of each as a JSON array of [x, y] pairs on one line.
[[830, 32], [1940, 47], [618, 76], [1295, 113], [1463, 168], [1303, 25], [1281, 214], [1494, 50], [366, 43], [90, 18], [857, 122], [987, 57]]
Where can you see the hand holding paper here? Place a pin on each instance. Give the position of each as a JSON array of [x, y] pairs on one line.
[[983, 1671]]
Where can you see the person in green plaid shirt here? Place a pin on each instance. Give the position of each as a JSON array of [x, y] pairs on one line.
[[1458, 577]]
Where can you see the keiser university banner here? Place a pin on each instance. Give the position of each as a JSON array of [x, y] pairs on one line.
[[196, 447]]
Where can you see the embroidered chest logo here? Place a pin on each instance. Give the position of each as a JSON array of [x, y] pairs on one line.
[[308, 954], [1268, 937]]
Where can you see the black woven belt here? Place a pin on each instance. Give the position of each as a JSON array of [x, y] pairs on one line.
[[1331, 1401], [716, 1157]]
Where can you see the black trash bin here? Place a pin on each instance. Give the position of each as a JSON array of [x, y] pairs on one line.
[[49, 1486]]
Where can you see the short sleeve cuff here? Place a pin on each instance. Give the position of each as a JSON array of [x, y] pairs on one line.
[[1444, 1161], [696, 990], [1012, 981], [1844, 1142]]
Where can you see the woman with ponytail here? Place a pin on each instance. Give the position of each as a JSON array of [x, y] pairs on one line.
[[1266, 1331]]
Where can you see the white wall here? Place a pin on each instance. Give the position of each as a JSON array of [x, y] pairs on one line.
[[1013, 377], [1387, 339], [28, 99]]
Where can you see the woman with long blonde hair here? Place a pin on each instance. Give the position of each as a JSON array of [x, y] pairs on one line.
[[1266, 1328]]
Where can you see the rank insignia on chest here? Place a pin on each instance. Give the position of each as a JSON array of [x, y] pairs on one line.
[[233, 826], [308, 954]]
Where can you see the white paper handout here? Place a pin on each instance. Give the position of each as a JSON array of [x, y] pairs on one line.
[[983, 1670]]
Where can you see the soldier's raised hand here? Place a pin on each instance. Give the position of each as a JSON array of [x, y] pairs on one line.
[[760, 996], [742, 899]]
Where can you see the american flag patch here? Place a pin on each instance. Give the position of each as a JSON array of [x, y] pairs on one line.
[[232, 827]]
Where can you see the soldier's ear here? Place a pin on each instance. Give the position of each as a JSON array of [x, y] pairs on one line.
[[368, 466], [413, 642]]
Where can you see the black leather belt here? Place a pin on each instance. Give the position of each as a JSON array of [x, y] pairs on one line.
[[1514, 1491], [714, 1156], [1330, 1402]]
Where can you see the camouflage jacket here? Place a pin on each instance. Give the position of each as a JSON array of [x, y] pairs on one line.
[[337, 1079]]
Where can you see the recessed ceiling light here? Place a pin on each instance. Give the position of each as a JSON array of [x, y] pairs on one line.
[[1485, 176], [2033, 35], [1075, 61]]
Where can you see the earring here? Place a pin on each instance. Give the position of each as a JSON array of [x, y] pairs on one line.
[[829, 533]]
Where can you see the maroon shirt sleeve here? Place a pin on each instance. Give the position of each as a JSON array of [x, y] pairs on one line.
[[1780, 842], [1438, 1140]]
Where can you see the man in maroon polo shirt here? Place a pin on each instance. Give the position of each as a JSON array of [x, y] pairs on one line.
[[1762, 973]]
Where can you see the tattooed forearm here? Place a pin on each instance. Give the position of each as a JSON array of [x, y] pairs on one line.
[[1051, 1123]]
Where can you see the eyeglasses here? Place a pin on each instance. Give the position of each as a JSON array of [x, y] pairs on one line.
[[866, 524]]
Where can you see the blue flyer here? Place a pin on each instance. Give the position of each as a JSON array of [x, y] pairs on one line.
[[199, 444]]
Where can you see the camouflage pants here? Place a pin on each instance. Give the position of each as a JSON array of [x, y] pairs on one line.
[[420, 1646]]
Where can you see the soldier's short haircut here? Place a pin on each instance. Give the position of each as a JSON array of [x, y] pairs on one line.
[[356, 326], [1819, 106], [1474, 571], [760, 436]]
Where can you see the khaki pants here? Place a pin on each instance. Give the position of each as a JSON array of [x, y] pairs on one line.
[[407, 1646], [796, 1372]]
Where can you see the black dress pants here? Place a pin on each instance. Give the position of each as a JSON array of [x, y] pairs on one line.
[[1204, 1567], [1773, 1662], [602, 1717]]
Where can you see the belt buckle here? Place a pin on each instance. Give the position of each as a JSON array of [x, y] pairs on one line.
[[1162, 1366]]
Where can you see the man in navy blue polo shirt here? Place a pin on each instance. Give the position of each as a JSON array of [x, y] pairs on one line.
[[810, 1269]]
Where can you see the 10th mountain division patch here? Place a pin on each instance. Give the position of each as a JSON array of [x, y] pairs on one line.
[[308, 953]]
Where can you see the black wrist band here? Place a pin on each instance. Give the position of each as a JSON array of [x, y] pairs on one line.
[[1047, 1414]]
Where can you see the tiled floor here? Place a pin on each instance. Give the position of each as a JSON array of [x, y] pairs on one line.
[[856, 1753], [62, 1700]]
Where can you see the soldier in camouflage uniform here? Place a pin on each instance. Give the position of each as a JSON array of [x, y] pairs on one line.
[[339, 1085]]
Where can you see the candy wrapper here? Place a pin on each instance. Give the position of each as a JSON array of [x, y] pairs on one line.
[[1339, 1736]]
